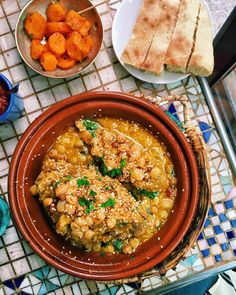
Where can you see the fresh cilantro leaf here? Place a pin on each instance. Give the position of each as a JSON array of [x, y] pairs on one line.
[[82, 181], [122, 223], [142, 192], [118, 245], [93, 193], [109, 203], [107, 188], [67, 177], [104, 170], [56, 183], [122, 163], [86, 203], [91, 126]]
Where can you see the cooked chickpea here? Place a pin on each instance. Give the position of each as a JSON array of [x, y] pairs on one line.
[[74, 160], [81, 221], [111, 222], [109, 249], [73, 200], [157, 224], [65, 140], [134, 243], [53, 154], [127, 249], [61, 206], [97, 248], [77, 233], [137, 174], [33, 190], [154, 209], [69, 209], [166, 203], [139, 231], [155, 173], [47, 202], [61, 190], [163, 214], [89, 220], [101, 215], [89, 234], [60, 148]]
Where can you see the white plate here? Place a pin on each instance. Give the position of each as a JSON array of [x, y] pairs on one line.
[[122, 29]]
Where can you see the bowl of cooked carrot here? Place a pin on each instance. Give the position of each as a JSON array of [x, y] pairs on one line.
[[59, 39]]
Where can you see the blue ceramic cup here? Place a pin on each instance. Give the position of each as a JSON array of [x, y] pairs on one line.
[[4, 216], [15, 106]]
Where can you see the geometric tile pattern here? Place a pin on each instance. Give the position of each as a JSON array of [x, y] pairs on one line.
[[21, 270]]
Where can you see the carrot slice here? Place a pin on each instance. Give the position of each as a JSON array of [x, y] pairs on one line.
[[57, 44], [56, 12], [72, 46], [37, 49], [48, 61], [85, 28], [57, 27], [74, 20], [65, 62], [85, 46], [35, 26]]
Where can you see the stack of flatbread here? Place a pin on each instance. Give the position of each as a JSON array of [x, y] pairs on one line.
[[175, 34]]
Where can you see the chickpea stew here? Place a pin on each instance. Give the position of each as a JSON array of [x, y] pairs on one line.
[[108, 185]]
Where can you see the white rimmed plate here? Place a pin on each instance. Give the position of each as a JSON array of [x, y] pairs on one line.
[[121, 32]]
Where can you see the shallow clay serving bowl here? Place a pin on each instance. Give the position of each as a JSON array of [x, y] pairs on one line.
[[23, 41], [36, 227]]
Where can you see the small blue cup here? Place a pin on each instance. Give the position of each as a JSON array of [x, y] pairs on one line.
[[4, 216], [15, 106]]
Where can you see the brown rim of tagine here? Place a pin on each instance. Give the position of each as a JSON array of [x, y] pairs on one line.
[[30, 216]]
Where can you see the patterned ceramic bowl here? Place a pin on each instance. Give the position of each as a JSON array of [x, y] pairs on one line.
[[23, 41]]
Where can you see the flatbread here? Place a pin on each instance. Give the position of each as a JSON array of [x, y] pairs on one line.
[[182, 42], [155, 59], [143, 32], [201, 62]]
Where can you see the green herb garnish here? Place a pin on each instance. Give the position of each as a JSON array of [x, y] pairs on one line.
[[122, 223], [83, 181], [142, 192], [109, 203], [86, 203], [172, 172], [93, 193], [118, 245], [56, 183], [67, 177], [122, 163], [107, 188], [113, 172], [91, 126]]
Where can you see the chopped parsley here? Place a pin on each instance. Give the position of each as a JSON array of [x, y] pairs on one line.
[[56, 183], [83, 181], [109, 203], [67, 177], [92, 193], [113, 172], [118, 245], [122, 163], [91, 126], [107, 188], [86, 203], [142, 192], [122, 223]]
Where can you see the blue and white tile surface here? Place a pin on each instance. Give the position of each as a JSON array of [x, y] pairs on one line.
[[21, 270]]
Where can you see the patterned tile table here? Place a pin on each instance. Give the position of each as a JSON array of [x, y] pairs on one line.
[[21, 270]]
